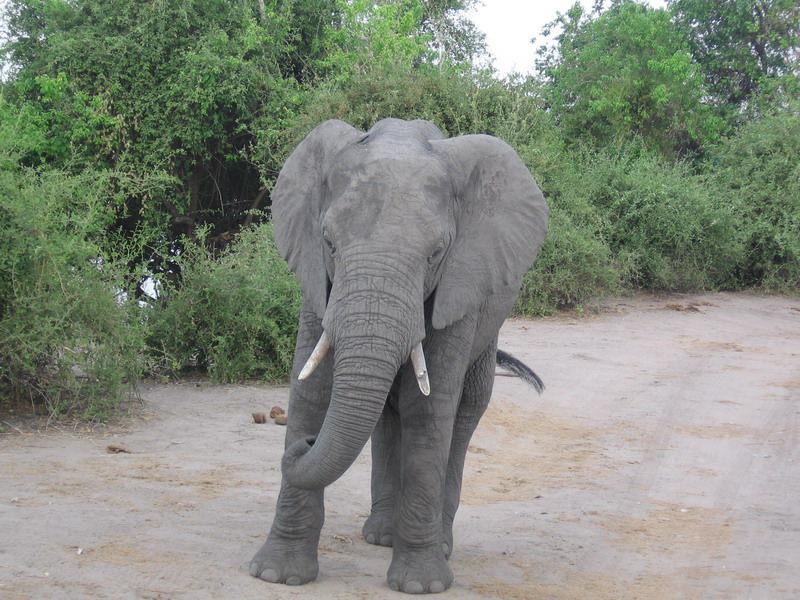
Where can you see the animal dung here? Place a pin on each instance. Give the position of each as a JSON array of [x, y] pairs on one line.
[[279, 415], [117, 450]]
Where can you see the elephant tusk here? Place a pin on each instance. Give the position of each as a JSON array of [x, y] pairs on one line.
[[420, 369], [319, 352]]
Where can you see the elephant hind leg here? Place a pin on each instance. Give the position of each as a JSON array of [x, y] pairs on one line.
[[478, 384]]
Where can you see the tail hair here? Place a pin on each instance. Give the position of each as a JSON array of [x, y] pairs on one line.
[[520, 369]]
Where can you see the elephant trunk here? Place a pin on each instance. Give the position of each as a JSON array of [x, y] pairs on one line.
[[372, 332]]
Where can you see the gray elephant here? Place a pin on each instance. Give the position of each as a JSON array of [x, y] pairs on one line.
[[410, 249]]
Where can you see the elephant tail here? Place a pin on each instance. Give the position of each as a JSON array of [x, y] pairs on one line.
[[520, 369]]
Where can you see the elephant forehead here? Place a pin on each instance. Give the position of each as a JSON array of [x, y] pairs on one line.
[[407, 170], [386, 184], [381, 211]]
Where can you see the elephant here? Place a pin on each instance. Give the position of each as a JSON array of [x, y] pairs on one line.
[[410, 249]]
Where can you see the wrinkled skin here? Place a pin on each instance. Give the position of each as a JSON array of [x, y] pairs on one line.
[[397, 236]]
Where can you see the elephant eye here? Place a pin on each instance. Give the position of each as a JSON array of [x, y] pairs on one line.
[[437, 252], [328, 242]]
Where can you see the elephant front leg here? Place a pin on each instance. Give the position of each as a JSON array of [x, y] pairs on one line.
[[290, 553], [379, 527], [419, 561]]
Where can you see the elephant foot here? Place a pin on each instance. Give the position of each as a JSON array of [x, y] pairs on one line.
[[291, 562], [377, 529], [420, 571]]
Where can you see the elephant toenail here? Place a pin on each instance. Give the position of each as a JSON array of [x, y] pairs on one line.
[[269, 575]]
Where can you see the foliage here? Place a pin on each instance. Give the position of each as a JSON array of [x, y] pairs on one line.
[[65, 126], [624, 219], [69, 338], [309, 24], [662, 221], [457, 104], [757, 173], [574, 265], [173, 87], [233, 315], [398, 33], [375, 35], [454, 39], [627, 73], [744, 49]]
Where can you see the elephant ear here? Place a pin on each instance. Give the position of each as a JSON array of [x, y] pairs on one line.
[[297, 201], [501, 220]]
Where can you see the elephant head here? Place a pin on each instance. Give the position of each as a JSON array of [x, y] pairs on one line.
[[389, 233]]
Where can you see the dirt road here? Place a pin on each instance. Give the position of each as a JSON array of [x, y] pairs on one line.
[[662, 463]]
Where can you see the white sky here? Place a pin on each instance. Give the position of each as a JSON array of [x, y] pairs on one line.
[[509, 26]]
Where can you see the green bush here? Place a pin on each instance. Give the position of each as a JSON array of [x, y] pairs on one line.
[[69, 338], [575, 263], [663, 221], [757, 173], [233, 315], [573, 266], [456, 103]]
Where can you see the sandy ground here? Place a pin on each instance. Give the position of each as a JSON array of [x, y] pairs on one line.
[[662, 462]]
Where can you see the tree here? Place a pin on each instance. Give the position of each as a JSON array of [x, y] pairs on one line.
[[626, 72], [453, 37], [309, 23], [743, 48], [178, 85], [407, 34]]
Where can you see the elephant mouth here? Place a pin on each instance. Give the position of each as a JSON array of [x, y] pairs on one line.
[[324, 344]]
